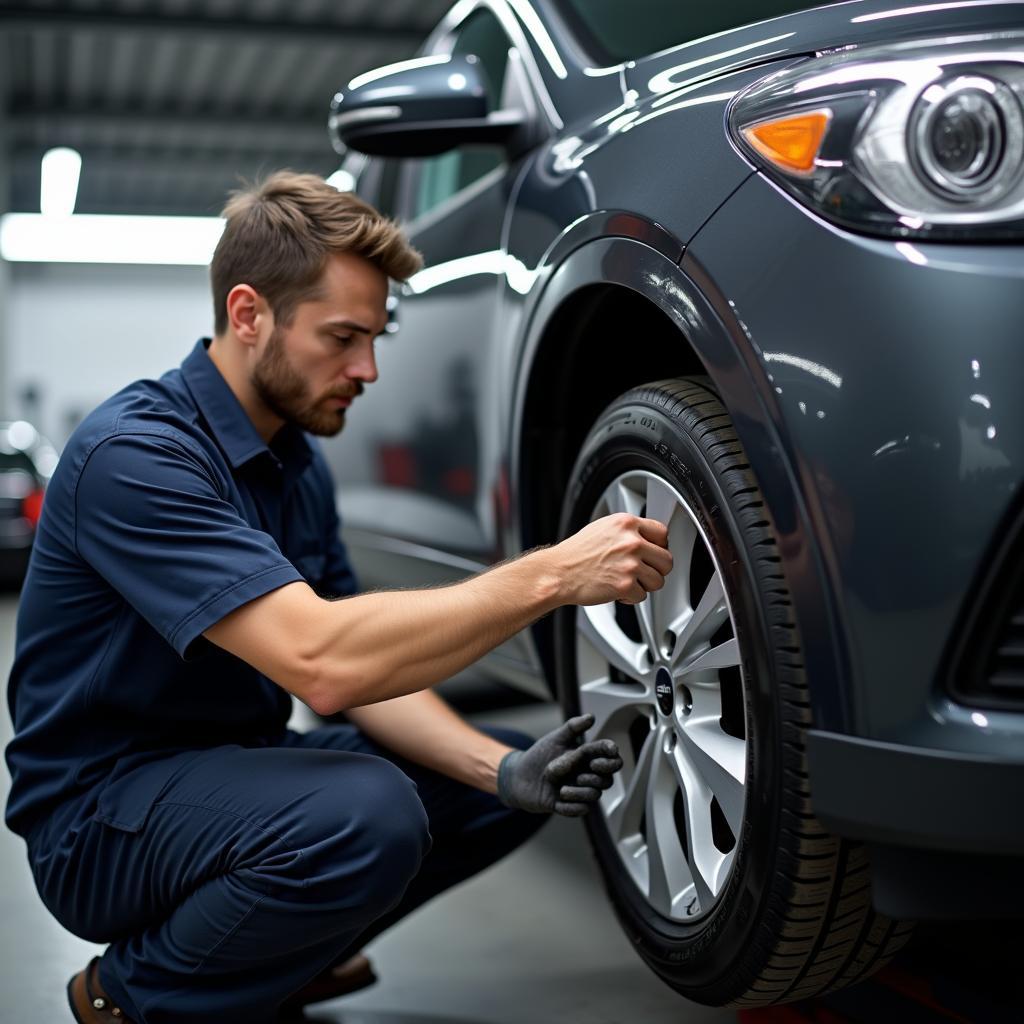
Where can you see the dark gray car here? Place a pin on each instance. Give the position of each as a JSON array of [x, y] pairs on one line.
[[763, 281]]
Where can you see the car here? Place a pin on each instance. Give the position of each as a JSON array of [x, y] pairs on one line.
[[27, 461], [755, 271]]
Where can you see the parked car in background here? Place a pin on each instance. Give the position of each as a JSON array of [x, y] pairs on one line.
[[27, 461], [762, 280]]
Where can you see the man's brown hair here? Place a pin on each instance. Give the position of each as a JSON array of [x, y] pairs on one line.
[[279, 233]]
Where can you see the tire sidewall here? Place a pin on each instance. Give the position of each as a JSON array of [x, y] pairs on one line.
[[707, 956]]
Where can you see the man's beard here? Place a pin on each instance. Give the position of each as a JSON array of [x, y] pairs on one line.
[[286, 394]]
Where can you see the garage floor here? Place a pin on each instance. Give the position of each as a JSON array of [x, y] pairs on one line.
[[464, 959]]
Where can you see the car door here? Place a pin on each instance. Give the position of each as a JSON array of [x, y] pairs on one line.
[[416, 464]]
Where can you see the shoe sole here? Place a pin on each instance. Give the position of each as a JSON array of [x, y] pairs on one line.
[[71, 1001]]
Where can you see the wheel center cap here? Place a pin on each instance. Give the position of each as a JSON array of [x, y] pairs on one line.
[[663, 691]]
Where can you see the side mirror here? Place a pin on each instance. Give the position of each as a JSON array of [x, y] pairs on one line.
[[420, 107]]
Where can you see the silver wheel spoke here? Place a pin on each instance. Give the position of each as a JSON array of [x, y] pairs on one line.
[[597, 625], [624, 815], [721, 761], [667, 874], [620, 498], [664, 604], [702, 623], [661, 501], [604, 700], [645, 616], [726, 655], [704, 860]]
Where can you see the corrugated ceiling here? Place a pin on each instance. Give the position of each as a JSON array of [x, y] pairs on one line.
[[169, 101]]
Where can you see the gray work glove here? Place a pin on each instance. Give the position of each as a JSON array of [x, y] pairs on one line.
[[557, 775]]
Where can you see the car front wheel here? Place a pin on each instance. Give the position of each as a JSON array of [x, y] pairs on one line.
[[722, 877]]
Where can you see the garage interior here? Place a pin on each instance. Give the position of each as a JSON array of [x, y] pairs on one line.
[[170, 103]]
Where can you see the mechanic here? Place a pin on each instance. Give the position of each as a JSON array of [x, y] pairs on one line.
[[183, 589]]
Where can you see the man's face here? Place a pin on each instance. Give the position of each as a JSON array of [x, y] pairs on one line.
[[310, 371]]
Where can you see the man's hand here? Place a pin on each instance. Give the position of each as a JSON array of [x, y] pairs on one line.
[[616, 558], [557, 775]]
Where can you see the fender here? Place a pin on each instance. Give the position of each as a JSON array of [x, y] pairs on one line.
[[642, 265]]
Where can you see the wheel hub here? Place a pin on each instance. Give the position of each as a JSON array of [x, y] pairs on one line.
[[663, 690]]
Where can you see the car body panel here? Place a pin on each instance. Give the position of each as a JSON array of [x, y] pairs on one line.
[[854, 23], [900, 418]]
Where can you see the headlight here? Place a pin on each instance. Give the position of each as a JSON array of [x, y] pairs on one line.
[[923, 138], [965, 135]]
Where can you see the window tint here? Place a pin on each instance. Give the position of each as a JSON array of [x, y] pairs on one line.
[[387, 192], [481, 34], [442, 176], [614, 31], [16, 460]]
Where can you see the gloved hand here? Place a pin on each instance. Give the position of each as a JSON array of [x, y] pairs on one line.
[[557, 775]]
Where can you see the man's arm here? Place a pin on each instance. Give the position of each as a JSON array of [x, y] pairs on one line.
[[422, 728], [335, 655]]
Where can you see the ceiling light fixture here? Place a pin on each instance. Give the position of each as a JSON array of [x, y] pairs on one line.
[[99, 238], [58, 181]]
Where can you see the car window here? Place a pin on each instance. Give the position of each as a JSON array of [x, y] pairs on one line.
[[15, 461], [387, 191], [442, 176], [614, 31]]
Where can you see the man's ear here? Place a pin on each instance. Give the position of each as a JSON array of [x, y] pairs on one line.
[[247, 311]]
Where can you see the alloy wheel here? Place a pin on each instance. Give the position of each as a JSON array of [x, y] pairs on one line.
[[663, 679]]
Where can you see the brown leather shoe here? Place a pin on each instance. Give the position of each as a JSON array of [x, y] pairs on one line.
[[89, 1003], [354, 974]]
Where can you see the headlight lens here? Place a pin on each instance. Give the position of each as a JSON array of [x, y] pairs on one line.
[[959, 137], [923, 138]]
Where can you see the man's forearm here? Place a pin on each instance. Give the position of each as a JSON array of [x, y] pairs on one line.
[[422, 728], [381, 645], [342, 654]]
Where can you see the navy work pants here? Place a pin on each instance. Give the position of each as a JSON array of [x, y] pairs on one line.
[[255, 869]]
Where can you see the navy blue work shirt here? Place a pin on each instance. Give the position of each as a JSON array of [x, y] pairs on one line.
[[167, 511]]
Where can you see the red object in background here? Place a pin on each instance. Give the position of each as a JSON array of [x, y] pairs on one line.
[[460, 482], [922, 991], [397, 465], [32, 506]]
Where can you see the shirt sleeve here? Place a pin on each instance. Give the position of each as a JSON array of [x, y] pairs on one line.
[[150, 519], [338, 578]]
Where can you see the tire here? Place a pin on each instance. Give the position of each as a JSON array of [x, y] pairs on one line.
[[773, 908]]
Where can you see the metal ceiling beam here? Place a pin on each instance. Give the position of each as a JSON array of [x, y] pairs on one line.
[[124, 162], [229, 131], [64, 18]]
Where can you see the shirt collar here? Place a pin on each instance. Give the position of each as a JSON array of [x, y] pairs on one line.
[[229, 422]]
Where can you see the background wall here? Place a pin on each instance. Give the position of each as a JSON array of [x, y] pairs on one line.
[[76, 333]]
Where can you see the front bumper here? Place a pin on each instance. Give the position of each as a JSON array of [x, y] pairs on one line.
[[944, 829]]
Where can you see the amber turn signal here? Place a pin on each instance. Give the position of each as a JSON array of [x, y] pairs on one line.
[[791, 143]]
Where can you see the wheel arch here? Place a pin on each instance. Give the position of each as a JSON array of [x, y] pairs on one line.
[[617, 313], [580, 367]]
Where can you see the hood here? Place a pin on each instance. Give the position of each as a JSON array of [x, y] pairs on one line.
[[856, 23]]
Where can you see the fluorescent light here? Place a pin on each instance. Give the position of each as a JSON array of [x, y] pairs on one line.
[[21, 435], [906, 250], [497, 261], [342, 180], [58, 183], [492, 262], [402, 65], [98, 238]]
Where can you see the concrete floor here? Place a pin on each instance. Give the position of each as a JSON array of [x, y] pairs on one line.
[[531, 939]]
